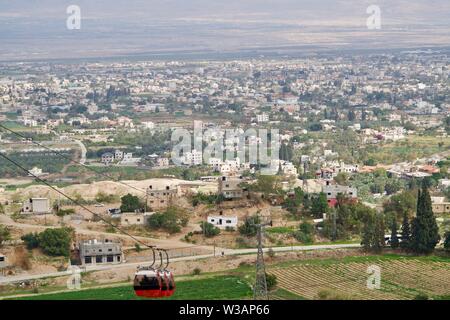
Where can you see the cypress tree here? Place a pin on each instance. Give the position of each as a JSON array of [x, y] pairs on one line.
[[394, 238], [424, 230], [378, 237], [406, 232], [367, 232]]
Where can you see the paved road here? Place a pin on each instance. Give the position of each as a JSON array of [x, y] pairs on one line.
[[227, 252]]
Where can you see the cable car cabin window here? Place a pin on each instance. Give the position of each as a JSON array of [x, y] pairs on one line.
[[145, 282], [98, 259], [109, 258], [87, 259]]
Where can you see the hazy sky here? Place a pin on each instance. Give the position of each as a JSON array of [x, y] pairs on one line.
[[34, 29]]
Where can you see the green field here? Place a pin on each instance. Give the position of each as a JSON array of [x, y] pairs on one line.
[[403, 277], [218, 287]]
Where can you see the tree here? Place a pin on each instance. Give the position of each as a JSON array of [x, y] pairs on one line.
[[209, 230], [130, 203], [171, 220], [394, 237], [401, 204], [373, 232], [248, 228], [267, 184], [406, 232], [447, 241], [5, 234], [424, 229], [378, 240], [319, 205], [271, 281], [31, 240], [341, 178], [305, 233], [56, 242]]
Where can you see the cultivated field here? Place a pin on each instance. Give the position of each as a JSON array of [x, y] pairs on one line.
[[401, 278]]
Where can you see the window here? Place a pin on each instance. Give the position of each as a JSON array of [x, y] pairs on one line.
[[98, 259], [118, 258], [228, 221], [88, 260], [109, 250], [138, 220], [2, 259], [109, 258]]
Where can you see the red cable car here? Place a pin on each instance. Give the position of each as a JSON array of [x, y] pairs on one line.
[[147, 283], [150, 282]]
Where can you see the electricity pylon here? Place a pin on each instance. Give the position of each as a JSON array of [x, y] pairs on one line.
[[260, 288]]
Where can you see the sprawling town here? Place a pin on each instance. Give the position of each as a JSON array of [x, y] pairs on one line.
[[89, 179]]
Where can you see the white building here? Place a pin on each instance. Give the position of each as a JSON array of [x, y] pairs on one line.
[[36, 206], [222, 222], [3, 263], [193, 158], [264, 117]]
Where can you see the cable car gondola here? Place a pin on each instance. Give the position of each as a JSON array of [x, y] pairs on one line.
[[150, 282]]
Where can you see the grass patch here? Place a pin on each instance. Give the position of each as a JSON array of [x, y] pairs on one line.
[[215, 288]]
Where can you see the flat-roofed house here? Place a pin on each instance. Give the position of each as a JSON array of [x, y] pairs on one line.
[[439, 205], [229, 187], [160, 198], [222, 221], [93, 252], [36, 206], [130, 219]]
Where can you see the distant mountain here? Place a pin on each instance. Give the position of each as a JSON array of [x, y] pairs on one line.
[[36, 29]]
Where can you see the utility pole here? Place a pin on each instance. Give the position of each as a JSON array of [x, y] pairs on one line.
[[260, 288]]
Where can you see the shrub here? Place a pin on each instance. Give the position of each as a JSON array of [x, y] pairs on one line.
[[55, 242], [209, 230], [102, 197], [271, 281], [5, 234], [447, 241], [305, 233], [196, 271], [249, 228], [171, 220], [271, 253], [130, 203], [31, 240], [64, 212], [421, 296]]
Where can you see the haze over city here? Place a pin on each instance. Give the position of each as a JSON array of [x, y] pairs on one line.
[[37, 29]]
